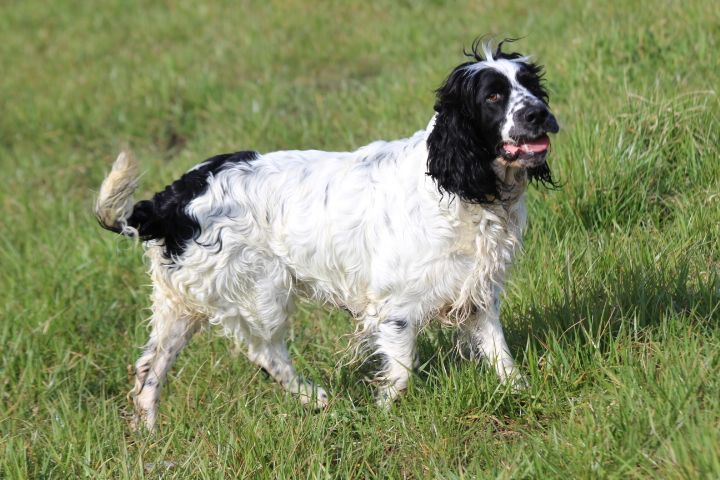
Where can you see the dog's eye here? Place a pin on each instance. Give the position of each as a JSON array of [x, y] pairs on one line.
[[494, 97]]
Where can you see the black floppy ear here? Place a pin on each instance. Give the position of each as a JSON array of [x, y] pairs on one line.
[[543, 176], [458, 159], [532, 76]]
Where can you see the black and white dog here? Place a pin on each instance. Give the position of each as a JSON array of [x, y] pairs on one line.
[[396, 232]]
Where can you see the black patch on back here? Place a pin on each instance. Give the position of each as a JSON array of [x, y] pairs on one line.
[[164, 217]]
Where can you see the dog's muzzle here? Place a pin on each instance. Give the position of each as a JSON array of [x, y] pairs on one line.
[[530, 142]]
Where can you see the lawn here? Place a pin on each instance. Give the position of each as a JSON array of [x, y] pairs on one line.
[[612, 311]]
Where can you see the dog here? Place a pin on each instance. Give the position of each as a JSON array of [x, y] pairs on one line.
[[397, 233]]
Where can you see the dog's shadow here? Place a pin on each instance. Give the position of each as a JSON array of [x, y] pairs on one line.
[[592, 314]]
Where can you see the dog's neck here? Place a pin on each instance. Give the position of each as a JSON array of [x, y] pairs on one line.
[[512, 181], [512, 184], [490, 233]]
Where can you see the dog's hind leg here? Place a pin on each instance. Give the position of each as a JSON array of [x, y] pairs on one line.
[[274, 358], [172, 328], [269, 324]]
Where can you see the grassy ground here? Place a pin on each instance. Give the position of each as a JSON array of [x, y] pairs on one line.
[[612, 312]]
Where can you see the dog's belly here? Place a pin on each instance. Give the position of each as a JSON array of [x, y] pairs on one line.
[[408, 270], [418, 287]]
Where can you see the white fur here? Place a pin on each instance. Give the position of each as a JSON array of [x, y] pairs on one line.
[[366, 230]]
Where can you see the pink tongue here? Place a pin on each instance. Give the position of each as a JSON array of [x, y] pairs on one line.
[[540, 144]]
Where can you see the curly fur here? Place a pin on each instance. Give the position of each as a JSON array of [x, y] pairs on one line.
[[397, 233]]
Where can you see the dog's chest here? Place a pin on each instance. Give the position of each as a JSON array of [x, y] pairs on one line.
[[486, 239], [485, 231]]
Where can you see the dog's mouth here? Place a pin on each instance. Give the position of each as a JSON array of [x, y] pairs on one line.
[[526, 152]]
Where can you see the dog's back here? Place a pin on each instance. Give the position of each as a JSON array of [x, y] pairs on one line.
[[326, 219]]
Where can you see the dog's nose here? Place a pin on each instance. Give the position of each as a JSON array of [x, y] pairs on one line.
[[536, 114], [539, 116], [551, 124]]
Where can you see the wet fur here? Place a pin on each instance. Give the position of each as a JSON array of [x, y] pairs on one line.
[[397, 233]]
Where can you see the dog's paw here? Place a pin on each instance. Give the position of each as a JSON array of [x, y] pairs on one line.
[[386, 396], [315, 397], [517, 382], [141, 422]]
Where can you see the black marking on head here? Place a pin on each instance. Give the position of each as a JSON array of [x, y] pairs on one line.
[[532, 77], [467, 136], [164, 217], [462, 143]]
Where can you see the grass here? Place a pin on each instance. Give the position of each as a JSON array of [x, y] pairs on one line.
[[612, 312]]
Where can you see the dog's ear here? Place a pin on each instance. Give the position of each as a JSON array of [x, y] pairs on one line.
[[542, 175], [458, 159], [532, 76]]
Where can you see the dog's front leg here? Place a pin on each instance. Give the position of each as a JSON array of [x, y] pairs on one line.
[[395, 343], [485, 335]]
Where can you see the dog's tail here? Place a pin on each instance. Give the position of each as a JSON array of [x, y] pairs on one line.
[[114, 203]]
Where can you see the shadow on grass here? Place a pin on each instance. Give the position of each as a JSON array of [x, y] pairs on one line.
[[643, 297], [638, 298]]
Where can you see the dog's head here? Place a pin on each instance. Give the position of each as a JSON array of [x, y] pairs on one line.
[[491, 112]]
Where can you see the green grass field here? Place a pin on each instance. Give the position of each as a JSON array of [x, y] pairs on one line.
[[612, 312]]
